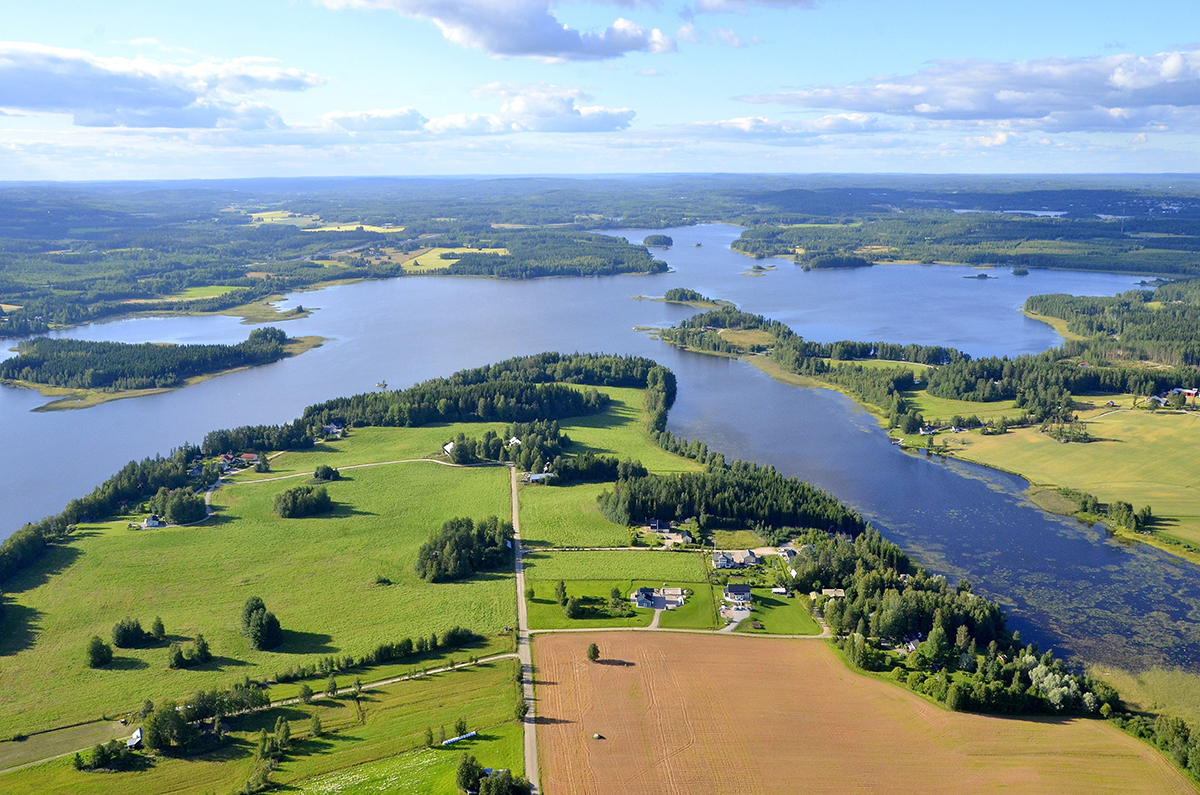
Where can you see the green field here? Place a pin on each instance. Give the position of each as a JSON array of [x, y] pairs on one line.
[[317, 574], [567, 516], [621, 431], [432, 260], [779, 615], [698, 612], [736, 539], [1141, 457], [391, 721], [936, 408], [545, 612], [655, 566]]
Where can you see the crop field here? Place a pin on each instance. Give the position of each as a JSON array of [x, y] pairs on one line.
[[317, 574], [431, 260], [655, 566], [710, 713], [567, 516], [384, 723], [779, 615], [1140, 457]]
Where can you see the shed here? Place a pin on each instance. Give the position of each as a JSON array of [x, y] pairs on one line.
[[134, 742]]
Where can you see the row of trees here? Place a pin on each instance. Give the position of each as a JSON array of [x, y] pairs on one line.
[[462, 547], [740, 492], [84, 364]]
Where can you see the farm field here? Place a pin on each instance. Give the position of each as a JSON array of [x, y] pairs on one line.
[[779, 615], [392, 720], [655, 566], [545, 612], [678, 720], [1139, 458], [431, 260], [567, 516], [317, 574]]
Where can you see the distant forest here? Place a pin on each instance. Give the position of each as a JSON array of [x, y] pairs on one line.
[[81, 364], [78, 254]]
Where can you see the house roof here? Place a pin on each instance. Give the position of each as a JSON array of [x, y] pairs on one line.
[[733, 590]]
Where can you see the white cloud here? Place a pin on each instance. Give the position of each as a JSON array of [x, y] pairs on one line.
[[727, 36], [741, 6], [142, 92], [765, 130], [393, 119], [1062, 94], [514, 28], [536, 107], [649, 73]]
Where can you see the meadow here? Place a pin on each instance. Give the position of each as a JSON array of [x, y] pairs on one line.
[[567, 516], [714, 713], [651, 565], [779, 615], [384, 724], [1140, 457], [431, 260], [318, 575]]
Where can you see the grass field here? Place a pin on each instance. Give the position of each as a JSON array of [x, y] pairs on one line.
[[779, 615], [545, 612], [1170, 691], [392, 720], [567, 516], [736, 539], [655, 566], [1141, 457], [710, 713], [431, 260], [620, 431], [744, 338], [698, 612], [317, 574]]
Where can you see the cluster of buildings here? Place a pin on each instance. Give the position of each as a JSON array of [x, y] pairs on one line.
[[663, 598], [739, 559]]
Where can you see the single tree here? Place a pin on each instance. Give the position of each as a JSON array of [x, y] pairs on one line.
[[460, 727], [317, 731], [99, 653], [593, 652], [175, 658], [147, 709], [306, 694], [442, 733], [157, 630], [283, 733], [573, 608], [253, 605], [200, 651], [358, 688], [428, 737], [560, 593], [469, 773], [331, 687]]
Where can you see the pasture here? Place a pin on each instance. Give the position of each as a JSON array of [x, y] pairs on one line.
[[431, 259], [383, 723], [317, 574], [714, 713], [567, 516], [1140, 457], [779, 615], [654, 566]]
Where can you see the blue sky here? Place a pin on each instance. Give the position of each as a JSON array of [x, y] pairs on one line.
[[129, 89]]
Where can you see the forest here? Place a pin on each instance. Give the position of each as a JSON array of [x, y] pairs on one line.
[[462, 547], [114, 366]]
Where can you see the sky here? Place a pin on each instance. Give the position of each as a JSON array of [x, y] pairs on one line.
[[132, 89]]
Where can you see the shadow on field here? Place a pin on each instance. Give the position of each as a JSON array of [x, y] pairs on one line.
[[18, 627], [126, 664], [619, 663], [295, 642], [55, 561], [266, 719], [341, 510], [542, 720], [220, 664]]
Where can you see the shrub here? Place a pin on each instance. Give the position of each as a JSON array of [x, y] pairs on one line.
[[99, 653], [128, 633], [325, 472], [302, 501]]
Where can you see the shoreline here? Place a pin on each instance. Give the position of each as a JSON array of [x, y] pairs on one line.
[[67, 398]]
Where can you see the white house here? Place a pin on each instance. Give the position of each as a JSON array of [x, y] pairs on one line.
[[745, 557], [448, 448], [723, 560], [153, 521]]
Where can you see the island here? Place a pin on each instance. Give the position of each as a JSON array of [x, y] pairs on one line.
[[663, 241], [82, 373]]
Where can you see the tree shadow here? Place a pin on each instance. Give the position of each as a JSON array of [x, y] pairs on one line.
[[266, 719], [17, 627], [539, 682], [341, 510], [295, 642], [57, 559], [126, 664], [220, 664], [620, 663], [542, 720]]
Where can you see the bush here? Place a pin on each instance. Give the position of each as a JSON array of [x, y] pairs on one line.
[[157, 630], [260, 625], [324, 472], [99, 653], [128, 634], [302, 501]]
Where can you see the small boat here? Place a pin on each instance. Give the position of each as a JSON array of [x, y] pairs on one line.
[[381, 385]]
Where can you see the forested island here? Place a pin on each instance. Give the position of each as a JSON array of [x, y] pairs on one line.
[[94, 371]]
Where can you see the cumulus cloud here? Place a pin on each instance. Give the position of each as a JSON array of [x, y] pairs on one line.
[[741, 6], [514, 28], [1062, 94], [786, 133], [536, 107], [392, 119], [142, 92]]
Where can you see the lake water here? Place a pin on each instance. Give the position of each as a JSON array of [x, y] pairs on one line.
[[1064, 584]]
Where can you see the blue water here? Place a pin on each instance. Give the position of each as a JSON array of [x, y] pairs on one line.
[[1065, 584]]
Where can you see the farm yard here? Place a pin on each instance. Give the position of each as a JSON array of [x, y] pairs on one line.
[[674, 712]]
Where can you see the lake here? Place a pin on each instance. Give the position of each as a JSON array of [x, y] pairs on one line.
[[1063, 583]]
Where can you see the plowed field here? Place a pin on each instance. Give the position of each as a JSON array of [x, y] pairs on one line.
[[700, 714]]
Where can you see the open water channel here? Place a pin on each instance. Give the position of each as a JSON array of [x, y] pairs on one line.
[[1064, 584]]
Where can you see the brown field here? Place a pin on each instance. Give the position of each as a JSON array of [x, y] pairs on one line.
[[697, 714]]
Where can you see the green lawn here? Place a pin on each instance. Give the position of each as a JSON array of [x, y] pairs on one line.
[[391, 721], [621, 431], [567, 516], [698, 612], [545, 612], [655, 566], [779, 615], [207, 291], [736, 539], [317, 574], [936, 408]]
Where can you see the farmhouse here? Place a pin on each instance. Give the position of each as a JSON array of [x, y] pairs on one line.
[[448, 448], [643, 597], [656, 526], [745, 557], [134, 742], [153, 520], [723, 560], [738, 594], [249, 458]]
